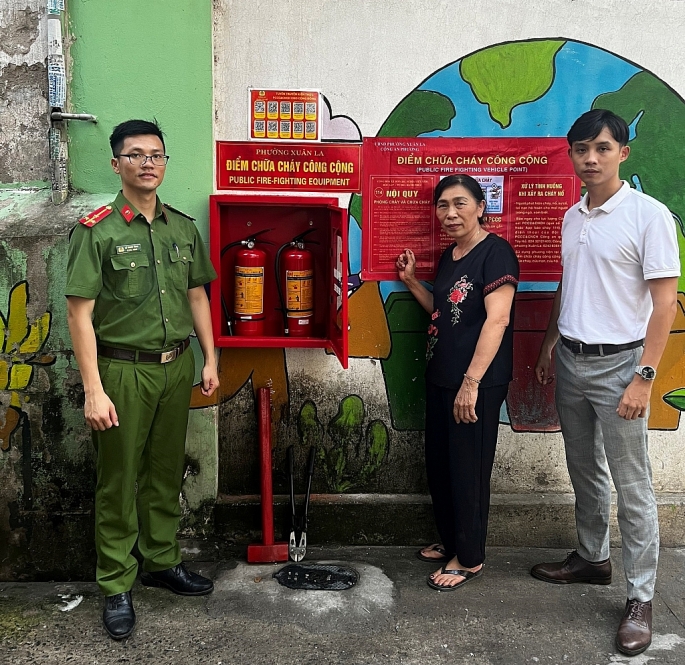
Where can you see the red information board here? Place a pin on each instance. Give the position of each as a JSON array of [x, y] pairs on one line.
[[528, 184], [284, 115], [321, 167]]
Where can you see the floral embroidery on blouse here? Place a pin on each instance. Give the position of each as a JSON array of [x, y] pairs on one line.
[[457, 295], [505, 279], [432, 336]]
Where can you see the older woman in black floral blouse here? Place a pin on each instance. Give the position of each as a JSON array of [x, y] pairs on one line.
[[470, 349]]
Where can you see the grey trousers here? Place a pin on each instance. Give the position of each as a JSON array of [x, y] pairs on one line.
[[598, 443]]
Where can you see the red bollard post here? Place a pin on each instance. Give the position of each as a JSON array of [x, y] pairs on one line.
[[267, 551]]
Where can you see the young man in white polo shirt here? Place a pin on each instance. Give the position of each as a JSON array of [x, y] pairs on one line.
[[609, 326]]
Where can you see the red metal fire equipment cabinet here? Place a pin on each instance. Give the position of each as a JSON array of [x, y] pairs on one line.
[[273, 222]]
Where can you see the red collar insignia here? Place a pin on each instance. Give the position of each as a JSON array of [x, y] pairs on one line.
[[127, 213]]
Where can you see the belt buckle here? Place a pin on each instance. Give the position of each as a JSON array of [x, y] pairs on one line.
[[168, 356]]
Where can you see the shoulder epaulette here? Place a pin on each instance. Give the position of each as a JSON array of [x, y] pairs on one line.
[[92, 218], [178, 212]]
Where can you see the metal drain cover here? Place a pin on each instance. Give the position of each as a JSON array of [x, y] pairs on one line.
[[317, 577]]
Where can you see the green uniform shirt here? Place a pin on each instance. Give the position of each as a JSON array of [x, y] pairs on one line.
[[138, 274]]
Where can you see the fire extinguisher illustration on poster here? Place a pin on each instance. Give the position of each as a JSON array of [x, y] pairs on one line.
[[295, 275], [248, 303]]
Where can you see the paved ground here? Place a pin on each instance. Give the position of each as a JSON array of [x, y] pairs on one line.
[[504, 617]]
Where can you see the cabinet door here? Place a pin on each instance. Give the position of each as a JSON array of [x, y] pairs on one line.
[[338, 317]]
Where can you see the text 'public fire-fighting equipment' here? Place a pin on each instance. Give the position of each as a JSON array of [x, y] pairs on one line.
[[299, 522], [248, 302], [295, 275]]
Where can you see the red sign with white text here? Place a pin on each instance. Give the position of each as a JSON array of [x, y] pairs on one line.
[[298, 167], [528, 184]]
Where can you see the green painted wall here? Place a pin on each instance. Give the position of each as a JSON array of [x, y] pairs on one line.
[[133, 59]]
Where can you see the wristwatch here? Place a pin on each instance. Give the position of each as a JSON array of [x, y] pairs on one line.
[[647, 372]]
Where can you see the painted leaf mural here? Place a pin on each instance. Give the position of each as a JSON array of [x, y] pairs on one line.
[[22, 343], [349, 455], [676, 399]]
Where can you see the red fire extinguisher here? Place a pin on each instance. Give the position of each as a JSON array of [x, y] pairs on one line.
[[248, 301], [295, 275]]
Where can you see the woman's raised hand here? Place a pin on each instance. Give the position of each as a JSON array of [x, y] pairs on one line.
[[406, 271], [406, 265]]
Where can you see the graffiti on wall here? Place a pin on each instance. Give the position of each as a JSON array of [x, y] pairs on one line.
[[529, 88], [21, 350], [535, 88]]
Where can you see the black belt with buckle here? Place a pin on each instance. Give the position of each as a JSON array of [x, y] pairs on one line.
[[599, 349], [143, 356]]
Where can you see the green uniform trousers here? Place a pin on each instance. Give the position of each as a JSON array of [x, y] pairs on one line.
[[147, 448]]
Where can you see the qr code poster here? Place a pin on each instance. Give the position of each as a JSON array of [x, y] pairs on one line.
[[284, 115]]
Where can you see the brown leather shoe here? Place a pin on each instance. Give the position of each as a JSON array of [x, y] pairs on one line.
[[635, 630], [573, 569]]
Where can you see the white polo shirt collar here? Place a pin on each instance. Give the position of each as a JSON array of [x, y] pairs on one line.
[[608, 206]]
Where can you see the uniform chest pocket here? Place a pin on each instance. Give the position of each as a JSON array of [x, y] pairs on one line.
[[181, 257], [132, 274]]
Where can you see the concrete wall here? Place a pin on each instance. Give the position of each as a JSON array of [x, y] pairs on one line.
[[23, 92], [392, 68]]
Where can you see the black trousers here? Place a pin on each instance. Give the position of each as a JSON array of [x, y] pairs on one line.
[[459, 459]]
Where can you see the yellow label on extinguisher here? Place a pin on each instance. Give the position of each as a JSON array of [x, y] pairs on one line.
[[249, 290], [299, 286]]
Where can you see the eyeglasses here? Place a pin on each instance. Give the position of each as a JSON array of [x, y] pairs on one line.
[[138, 159]]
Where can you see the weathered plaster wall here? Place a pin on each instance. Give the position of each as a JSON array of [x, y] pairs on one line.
[[24, 109], [46, 460]]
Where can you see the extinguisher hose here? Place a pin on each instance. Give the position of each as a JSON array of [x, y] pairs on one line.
[[280, 286], [227, 316], [224, 306], [252, 238]]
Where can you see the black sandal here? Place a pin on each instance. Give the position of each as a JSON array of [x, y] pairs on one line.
[[433, 559], [466, 574]]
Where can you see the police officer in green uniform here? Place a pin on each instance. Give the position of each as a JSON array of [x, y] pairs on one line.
[[135, 291]]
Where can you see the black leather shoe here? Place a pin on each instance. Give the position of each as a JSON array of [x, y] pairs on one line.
[[180, 580], [119, 617], [573, 570]]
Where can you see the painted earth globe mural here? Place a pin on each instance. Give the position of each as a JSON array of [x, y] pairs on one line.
[[526, 89]]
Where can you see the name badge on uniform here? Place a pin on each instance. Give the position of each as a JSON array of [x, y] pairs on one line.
[[125, 249]]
